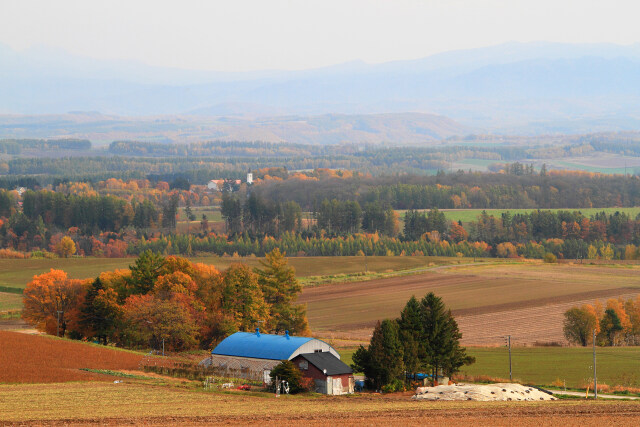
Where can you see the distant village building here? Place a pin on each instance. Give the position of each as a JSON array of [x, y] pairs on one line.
[[229, 185], [249, 178], [253, 355], [215, 184]]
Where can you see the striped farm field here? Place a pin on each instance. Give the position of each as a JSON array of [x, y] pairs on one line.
[[526, 299]]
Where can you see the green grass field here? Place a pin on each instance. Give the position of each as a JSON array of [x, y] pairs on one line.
[[469, 215], [10, 301], [212, 213], [18, 272], [548, 365]]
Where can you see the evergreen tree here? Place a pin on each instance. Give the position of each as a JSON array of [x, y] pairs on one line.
[[441, 337], [144, 272], [382, 360], [610, 325], [411, 333]]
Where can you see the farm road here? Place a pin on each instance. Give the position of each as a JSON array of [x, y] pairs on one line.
[[600, 396]]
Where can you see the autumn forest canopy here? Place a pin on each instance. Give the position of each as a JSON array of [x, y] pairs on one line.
[[133, 196], [167, 300]]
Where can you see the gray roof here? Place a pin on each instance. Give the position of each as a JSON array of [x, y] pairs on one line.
[[328, 361]]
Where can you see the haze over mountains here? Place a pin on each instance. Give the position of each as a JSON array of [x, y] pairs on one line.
[[512, 88]]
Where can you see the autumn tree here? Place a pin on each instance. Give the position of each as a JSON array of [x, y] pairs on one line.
[[289, 372], [65, 247], [100, 312], [151, 321], [579, 324], [48, 296], [242, 297]]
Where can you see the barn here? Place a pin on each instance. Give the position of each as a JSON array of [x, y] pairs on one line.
[[330, 374], [252, 355]]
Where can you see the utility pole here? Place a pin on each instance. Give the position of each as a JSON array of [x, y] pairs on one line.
[[508, 341], [595, 378]]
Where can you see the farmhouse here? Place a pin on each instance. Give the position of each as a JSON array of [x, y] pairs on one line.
[[253, 355], [331, 375]]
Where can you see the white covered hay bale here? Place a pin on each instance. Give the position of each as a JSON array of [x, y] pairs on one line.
[[484, 393]]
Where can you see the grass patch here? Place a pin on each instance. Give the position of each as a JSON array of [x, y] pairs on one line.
[[116, 373], [16, 273], [469, 215], [617, 366], [10, 302]]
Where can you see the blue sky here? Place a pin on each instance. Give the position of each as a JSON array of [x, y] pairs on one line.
[[241, 35]]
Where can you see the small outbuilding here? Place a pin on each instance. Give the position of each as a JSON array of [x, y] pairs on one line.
[[330, 374], [253, 355]]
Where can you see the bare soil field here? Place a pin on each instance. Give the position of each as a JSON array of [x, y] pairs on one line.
[[42, 359], [130, 403], [526, 300]]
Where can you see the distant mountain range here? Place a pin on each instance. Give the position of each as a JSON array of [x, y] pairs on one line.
[[528, 88], [386, 129]]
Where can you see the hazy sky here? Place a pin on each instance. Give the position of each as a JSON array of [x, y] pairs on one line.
[[261, 34]]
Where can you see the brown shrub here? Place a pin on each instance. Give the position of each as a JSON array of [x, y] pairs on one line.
[[11, 254]]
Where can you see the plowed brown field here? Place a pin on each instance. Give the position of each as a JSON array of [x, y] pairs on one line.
[[524, 300], [40, 359], [129, 403]]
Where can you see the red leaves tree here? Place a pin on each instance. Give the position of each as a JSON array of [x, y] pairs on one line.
[[49, 293]]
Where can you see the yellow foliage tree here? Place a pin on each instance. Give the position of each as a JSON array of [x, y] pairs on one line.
[[65, 247]]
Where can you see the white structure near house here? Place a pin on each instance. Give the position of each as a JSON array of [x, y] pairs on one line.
[[215, 184], [249, 178]]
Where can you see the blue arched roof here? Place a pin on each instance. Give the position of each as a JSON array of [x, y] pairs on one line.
[[260, 346]]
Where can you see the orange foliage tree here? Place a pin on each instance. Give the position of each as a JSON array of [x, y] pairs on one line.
[[47, 295]]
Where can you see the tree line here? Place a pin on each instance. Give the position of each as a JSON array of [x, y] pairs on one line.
[[618, 323], [167, 300]]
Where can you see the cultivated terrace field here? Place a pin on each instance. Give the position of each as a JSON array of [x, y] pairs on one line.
[[524, 299]]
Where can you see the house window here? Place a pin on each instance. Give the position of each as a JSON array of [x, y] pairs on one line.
[[304, 365], [317, 351]]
